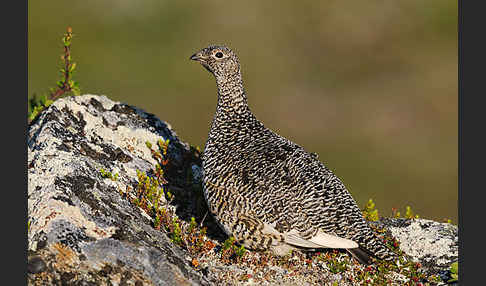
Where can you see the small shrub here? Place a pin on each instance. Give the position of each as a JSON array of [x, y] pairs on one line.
[[64, 85], [369, 212]]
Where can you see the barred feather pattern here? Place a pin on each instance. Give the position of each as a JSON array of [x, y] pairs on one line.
[[254, 177]]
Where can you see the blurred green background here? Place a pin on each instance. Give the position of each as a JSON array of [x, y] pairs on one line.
[[371, 86]]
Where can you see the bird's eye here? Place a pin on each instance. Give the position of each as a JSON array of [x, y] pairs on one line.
[[219, 55]]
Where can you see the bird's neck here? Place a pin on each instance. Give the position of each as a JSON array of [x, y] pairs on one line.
[[231, 94]]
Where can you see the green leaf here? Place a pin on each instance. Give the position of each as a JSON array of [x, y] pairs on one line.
[[455, 267], [42, 99]]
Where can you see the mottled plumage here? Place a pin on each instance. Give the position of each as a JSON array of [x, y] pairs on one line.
[[268, 192]]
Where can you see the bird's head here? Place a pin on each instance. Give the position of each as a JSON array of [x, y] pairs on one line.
[[219, 60]]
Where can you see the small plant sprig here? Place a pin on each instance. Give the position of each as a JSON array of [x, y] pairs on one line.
[[230, 251], [454, 269], [409, 214], [36, 105], [64, 85], [160, 157], [108, 174], [369, 211], [148, 194]]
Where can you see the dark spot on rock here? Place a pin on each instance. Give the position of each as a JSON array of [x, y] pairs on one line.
[[107, 269], [121, 123], [115, 154], [121, 234], [97, 105], [63, 147], [139, 283], [123, 108], [79, 185], [81, 122], [41, 239], [71, 237], [424, 225], [77, 122], [41, 244], [36, 265], [205, 271], [64, 199], [82, 257], [51, 115], [86, 150], [66, 277], [105, 122], [120, 263], [122, 157], [85, 283], [127, 275]]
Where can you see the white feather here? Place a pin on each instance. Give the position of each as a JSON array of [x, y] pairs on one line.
[[332, 241], [321, 240]]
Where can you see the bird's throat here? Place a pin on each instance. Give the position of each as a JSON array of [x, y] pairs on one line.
[[231, 95]]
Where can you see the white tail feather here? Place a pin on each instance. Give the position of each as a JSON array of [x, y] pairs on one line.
[[321, 240], [332, 241]]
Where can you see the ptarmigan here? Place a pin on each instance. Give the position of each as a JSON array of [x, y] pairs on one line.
[[268, 192]]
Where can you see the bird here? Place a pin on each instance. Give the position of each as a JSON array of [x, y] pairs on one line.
[[267, 191]]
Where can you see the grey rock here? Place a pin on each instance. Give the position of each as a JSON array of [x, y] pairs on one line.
[[70, 203], [432, 244], [36, 265]]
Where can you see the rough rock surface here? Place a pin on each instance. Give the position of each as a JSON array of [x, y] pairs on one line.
[[431, 243], [84, 231]]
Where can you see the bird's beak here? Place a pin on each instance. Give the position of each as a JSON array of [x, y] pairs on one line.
[[202, 59], [197, 57]]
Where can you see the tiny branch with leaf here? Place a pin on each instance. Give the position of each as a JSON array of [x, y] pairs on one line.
[[65, 85]]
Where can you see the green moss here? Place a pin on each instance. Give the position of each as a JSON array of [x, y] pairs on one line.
[[192, 225], [336, 266], [108, 174], [230, 251], [228, 243], [454, 269], [176, 232]]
